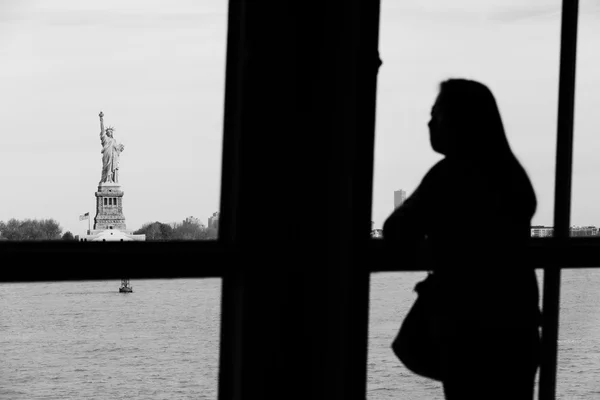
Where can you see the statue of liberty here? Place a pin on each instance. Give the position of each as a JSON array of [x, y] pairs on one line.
[[111, 150]]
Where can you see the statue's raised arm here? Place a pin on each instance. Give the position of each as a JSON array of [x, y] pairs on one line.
[[110, 154], [101, 115], [102, 131]]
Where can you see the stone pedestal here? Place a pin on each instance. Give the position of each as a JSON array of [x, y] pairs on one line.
[[109, 208], [112, 235]]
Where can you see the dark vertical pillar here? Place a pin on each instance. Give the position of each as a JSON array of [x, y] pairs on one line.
[[562, 196], [300, 106]]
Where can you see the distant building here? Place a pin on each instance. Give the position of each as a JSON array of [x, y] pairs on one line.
[[213, 222], [576, 231], [399, 198], [377, 233], [542, 231]]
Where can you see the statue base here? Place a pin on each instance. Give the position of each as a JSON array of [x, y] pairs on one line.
[[112, 235], [109, 208]]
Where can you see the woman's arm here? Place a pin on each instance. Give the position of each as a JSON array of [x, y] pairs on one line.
[[407, 226]]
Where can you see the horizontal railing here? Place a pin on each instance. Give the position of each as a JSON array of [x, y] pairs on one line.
[[576, 252], [57, 261]]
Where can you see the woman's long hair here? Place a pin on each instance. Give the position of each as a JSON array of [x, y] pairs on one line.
[[473, 121], [476, 134]]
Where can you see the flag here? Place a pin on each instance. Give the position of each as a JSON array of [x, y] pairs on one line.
[[84, 216]]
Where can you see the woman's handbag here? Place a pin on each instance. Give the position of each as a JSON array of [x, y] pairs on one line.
[[418, 343]]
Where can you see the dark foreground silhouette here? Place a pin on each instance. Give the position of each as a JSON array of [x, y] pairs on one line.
[[473, 211]]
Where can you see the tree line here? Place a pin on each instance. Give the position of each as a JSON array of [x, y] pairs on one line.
[[33, 229], [49, 229], [185, 230]]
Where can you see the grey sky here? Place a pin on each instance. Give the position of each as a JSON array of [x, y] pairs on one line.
[[513, 47], [156, 70]]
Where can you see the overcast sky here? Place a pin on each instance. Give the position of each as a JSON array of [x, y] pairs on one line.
[[513, 47], [156, 70]]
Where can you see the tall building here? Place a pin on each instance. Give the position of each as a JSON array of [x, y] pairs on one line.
[[399, 198], [213, 222]]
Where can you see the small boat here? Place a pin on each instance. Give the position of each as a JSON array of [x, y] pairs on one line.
[[125, 288]]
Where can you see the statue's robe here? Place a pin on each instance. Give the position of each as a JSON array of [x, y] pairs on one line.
[[110, 158]]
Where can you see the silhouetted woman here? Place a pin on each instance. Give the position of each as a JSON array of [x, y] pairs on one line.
[[473, 210]]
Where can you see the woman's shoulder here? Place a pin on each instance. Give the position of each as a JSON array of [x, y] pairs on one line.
[[438, 168], [439, 171]]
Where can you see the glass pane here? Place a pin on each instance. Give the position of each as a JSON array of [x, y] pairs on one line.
[[391, 297], [586, 145], [156, 71], [511, 47], [579, 341], [75, 340]]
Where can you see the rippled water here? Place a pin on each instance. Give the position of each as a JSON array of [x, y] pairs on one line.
[[77, 340], [391, 297], [579, 338]]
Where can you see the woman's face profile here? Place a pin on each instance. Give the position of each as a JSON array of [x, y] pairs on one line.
[[437, 132]]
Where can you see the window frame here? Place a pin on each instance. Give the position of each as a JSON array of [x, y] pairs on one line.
[[560, 251], [551, 254]]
